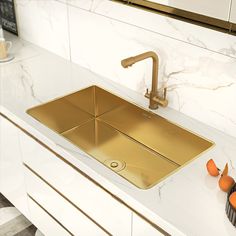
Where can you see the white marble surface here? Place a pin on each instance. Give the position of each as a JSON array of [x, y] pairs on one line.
[[188, 202], [198, 65], [44, 23], [197, 79], [193, 34]]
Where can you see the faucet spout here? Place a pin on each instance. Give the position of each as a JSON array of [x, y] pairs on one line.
[[155, 100]]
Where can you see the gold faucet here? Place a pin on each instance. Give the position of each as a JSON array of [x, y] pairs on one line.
[[154, 98]]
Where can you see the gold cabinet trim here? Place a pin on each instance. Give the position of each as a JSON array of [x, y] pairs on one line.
[[58, 222], [68, 200], [158, 228]]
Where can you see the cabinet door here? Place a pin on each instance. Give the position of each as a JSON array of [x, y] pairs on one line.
[[217, 9], [11, 169], [141, 228], [233, 12], [82, 192], [73, 219], [45, 222]]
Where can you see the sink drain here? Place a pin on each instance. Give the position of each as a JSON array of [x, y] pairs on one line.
[[115, 165]]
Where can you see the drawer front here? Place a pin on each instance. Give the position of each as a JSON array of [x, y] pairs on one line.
[[141, 228], [75, 221], [44, 222], [93, 200]]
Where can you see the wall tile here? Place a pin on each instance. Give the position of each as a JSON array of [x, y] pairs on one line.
[[200, 83], [196, 35], [198, 65], [44, 23], [101, 51]]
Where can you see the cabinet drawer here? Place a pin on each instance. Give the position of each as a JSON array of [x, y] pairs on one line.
[[141, 228], [68, 215], [44, 222], [90, 198]]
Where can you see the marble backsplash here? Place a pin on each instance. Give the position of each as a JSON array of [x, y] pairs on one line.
[[198, 65]]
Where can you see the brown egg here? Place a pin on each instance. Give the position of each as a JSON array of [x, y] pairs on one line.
[[212, 168], [232, 199], [226, 182]]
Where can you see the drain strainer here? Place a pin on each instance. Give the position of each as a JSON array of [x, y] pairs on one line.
[[115, 165]]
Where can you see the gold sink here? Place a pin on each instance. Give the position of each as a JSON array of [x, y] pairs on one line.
[[137, 144]]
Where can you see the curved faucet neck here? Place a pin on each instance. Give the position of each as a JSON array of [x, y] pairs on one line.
[[153, 95]]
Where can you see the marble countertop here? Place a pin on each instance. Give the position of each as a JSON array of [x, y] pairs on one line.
[[188, 202]]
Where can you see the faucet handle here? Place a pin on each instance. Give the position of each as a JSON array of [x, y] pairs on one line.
[[147, 94], [164, 93], [161, 100]]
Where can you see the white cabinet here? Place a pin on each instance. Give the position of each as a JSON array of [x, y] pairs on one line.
[[44, 221], [61, 199], [233, 12], [72, 219], [141, 228], [105, 210], [11, 168], [217, 9]]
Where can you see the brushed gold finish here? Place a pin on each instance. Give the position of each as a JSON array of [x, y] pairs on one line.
[[171, 141], [61, 114], [154, 98], [105, 143], [137, 144]]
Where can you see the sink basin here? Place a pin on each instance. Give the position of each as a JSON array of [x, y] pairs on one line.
[[135, 143]]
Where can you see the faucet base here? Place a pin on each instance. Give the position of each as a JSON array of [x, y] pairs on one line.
[[153, 106], [155, 101]]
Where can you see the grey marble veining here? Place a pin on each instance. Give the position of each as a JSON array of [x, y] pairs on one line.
[[200, 83], [197, 64]]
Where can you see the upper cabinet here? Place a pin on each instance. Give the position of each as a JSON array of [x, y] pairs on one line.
[[233, 12], [217, 9]]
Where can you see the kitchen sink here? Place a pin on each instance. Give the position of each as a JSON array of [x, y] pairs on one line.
[[135, 143]]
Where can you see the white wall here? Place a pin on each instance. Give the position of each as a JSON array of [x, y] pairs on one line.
[[233, 12], [197, 64]]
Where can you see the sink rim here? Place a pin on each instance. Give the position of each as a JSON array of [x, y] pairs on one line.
[[140, 107]]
